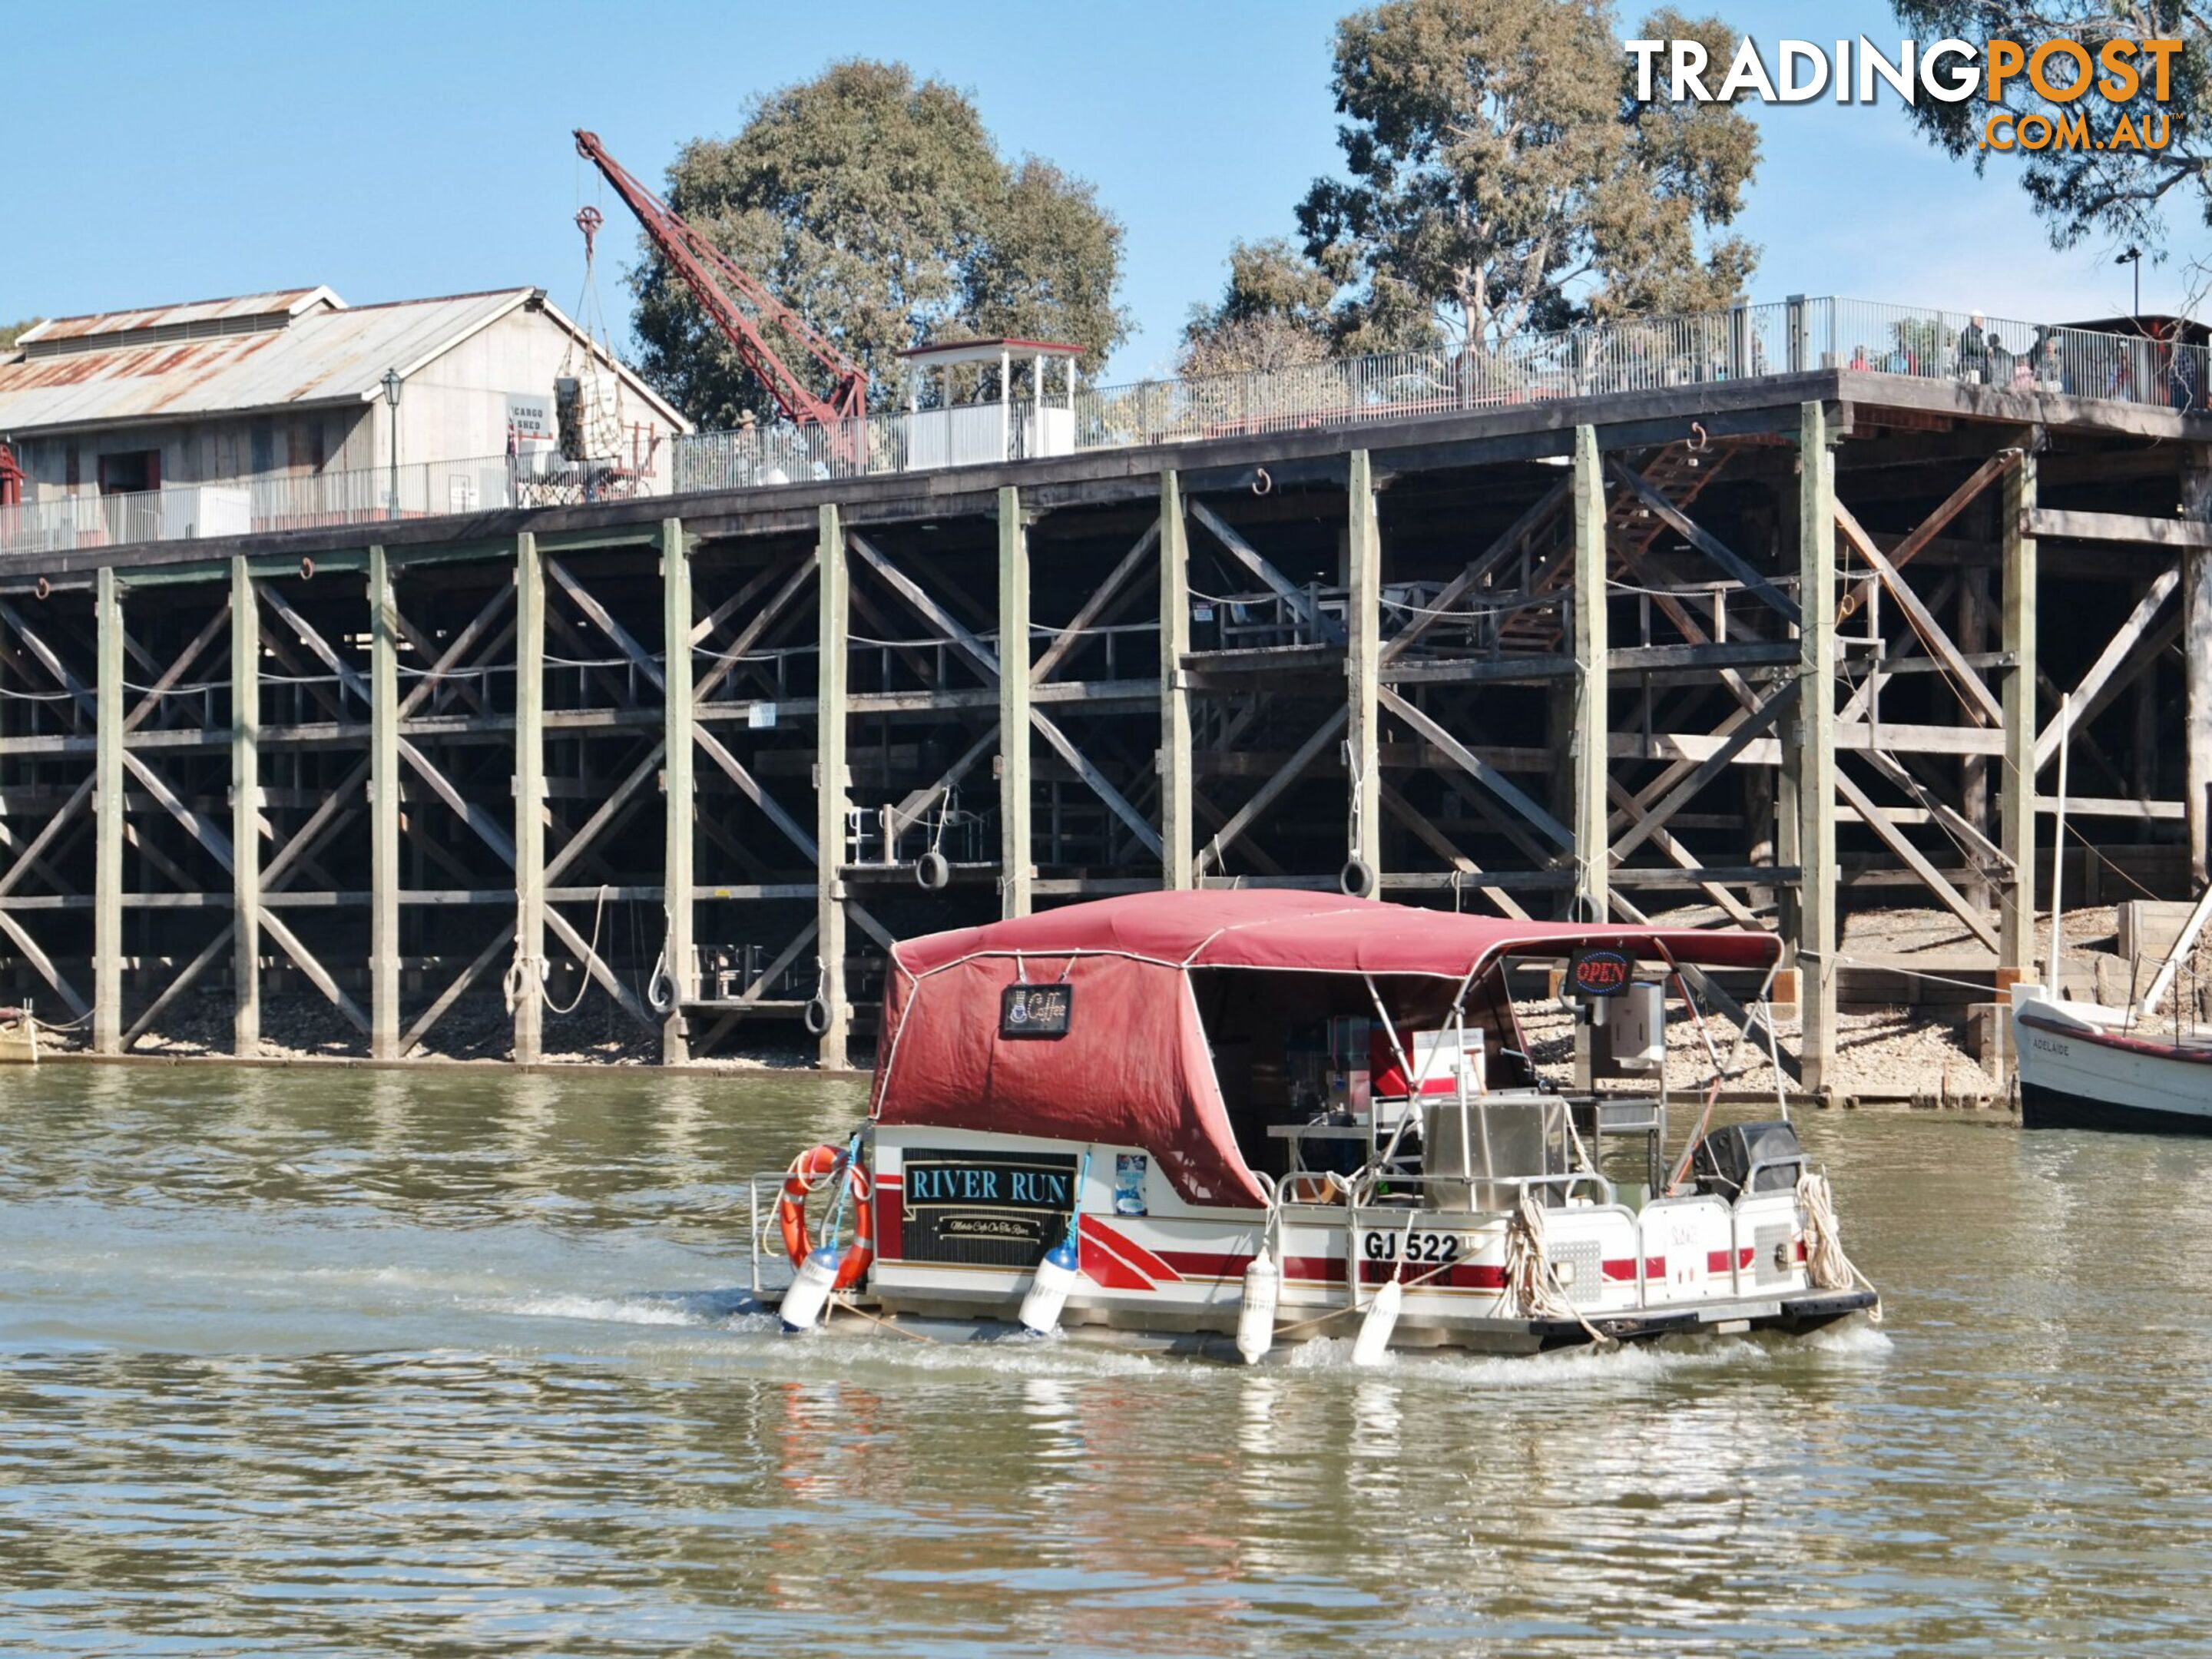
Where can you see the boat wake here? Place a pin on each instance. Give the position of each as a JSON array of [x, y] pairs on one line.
[[1850, 1341], [698, 1310]]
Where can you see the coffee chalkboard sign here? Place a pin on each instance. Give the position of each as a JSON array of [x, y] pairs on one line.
[[1035, 1011]]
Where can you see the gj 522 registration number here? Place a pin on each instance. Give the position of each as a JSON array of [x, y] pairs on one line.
[[1418, 1246]]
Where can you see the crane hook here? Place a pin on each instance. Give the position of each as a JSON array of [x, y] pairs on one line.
[[588, 220]]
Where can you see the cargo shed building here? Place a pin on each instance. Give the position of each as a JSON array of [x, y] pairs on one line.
[[275, 399]]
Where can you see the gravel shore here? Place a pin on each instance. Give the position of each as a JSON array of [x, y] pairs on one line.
[[1918, 1050]]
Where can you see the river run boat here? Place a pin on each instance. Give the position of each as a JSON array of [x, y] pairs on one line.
[[1224, 1121]]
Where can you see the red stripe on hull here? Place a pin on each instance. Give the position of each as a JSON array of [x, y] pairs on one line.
[[891, 1218], [1106, 1270], [1202, 1264], [1461, 1276], [1131, 1253]]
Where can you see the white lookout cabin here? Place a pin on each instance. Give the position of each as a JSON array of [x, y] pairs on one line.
[[1019, 424]]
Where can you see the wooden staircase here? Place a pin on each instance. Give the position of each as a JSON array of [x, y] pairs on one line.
[[1676, 472]]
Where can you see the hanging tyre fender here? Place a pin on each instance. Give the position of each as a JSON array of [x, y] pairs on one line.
[[1359, 879], [816, 1015], [815, 1167], [931, 870]]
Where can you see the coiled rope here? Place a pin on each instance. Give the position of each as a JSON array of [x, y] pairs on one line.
[[1531, 1280], [1825, 1264]]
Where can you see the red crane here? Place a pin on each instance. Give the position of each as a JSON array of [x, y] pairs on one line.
[[720, 284]]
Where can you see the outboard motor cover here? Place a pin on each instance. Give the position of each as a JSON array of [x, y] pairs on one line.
[[1725, 1159]]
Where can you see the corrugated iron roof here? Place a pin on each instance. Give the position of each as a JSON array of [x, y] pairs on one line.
[[324, 355], [283, 302]]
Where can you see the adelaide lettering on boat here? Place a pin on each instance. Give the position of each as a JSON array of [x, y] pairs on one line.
[[982, 1210], [1035, 1011]]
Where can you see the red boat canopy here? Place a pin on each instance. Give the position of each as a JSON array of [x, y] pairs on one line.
[[1133, 1068]]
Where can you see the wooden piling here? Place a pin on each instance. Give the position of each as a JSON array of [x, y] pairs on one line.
[[2016, 782], [1817, 931], [107, 808], [1178, 866], [679, 791], [1017, 873], [384, 826], [529, 963], [1361, 660], [244, 810], [831, 786], [1591, 812]]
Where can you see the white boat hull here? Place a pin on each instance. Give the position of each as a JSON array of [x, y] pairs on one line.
[[952, 1250], [2075, 1072]]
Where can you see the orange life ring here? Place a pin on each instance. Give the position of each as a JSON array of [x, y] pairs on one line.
[[812, 1168]]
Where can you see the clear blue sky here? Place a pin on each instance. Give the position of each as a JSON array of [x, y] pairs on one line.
[[165, 152]]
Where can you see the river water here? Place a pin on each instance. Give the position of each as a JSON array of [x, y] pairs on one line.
[[345, 1361]]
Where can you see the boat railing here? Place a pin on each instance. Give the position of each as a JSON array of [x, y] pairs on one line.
[[1373, 1199], [756, 1218]]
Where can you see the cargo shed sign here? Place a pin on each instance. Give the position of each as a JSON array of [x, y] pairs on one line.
[[530, 418]]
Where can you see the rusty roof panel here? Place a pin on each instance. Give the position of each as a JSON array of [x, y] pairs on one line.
[[283, 301], [321, 356]]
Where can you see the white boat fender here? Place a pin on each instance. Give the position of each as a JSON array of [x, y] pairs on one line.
[[1255, 1319], [1061, 1270], [1056, 1275], [810, 1291], [1377, 1325]]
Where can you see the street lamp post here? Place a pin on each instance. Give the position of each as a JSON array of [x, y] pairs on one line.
[[2133, 257], [392, 384]]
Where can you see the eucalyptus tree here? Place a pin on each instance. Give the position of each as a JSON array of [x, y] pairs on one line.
[[1499, 174], [2123, 189]]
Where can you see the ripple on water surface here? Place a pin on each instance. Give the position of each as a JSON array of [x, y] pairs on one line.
[[353, 1361]]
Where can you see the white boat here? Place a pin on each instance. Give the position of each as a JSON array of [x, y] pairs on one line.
[[1226, 1121], [2087, 1066], [2083, 1066]]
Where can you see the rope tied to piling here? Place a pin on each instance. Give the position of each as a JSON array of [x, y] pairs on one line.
[[516, 983]]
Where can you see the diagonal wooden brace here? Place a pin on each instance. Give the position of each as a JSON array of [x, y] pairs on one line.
[[1249, 556], [1980, 702], [1479, 769], [1101, 597]]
